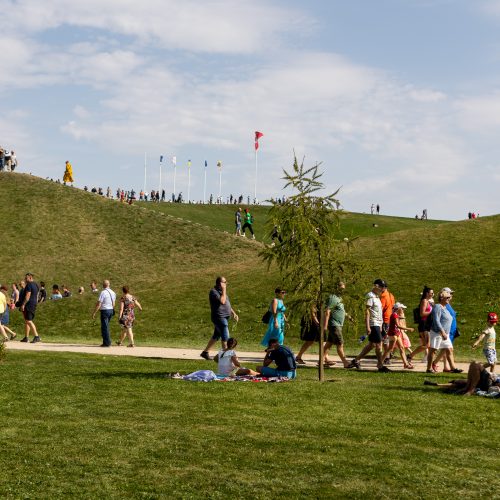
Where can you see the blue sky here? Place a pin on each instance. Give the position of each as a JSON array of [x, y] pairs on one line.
[[399, 99]]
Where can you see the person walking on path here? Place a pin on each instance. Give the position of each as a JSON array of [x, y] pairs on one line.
[[387, 301], [373, 319], [248, 218], [29, 299], [309, 333], [334, 321], [237, 222], [5, 317], [395, 334], [127, 316], [220, 313], [453, 331], [439, 334], [424, 322], [276, 325], [106, 305], [489, 336]]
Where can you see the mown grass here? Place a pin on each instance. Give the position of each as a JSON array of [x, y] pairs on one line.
[[64, 235], [102, 427]]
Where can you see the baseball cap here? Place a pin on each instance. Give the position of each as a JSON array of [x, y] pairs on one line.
[[493, 317], [398, 305], [380, 282]]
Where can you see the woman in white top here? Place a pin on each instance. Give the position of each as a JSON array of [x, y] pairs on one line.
[[228, 363]]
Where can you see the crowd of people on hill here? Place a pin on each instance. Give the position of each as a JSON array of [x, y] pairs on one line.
[[8, 160]]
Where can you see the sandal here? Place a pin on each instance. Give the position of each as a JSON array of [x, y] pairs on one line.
[[13, 336], [131, 345], [330, 363], [300, 361], [119, 343], [409, 366]]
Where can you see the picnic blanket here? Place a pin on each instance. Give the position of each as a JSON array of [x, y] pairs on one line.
[[210, 376]]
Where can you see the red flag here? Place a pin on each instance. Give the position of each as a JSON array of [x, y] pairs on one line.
[[258, 135]]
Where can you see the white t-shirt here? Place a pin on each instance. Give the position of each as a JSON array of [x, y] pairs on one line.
[[489, 337], [107, 298], [375, 307], [225, 364]]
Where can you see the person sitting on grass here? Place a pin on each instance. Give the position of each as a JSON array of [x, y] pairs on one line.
[[228, 363], [283, 358], [56, 294], [478, 378], [489, 336]]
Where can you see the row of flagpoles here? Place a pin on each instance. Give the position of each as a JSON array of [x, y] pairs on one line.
[[258, 135]]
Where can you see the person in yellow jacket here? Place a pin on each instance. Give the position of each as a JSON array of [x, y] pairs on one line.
[[68, 173]]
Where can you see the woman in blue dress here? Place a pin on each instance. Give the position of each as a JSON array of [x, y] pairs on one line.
[[276, 325]]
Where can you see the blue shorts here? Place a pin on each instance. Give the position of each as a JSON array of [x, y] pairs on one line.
[[221, 329], [273, 372], [491, 355], [375, 336]]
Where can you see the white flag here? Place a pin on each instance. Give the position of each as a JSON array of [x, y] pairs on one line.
[[174, 160]]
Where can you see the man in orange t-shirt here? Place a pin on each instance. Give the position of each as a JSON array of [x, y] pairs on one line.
[[387, 300]]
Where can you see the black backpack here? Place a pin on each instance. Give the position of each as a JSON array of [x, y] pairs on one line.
[[416, 315]]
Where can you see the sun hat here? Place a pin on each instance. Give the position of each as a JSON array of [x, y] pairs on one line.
[[398, 305]]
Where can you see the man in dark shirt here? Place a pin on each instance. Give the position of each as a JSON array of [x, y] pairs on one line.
[[283, 358], [220, 311], [28, 308]]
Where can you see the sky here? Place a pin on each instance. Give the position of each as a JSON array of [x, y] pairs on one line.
[[399, 100]]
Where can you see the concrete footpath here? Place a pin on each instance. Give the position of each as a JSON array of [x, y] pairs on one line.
[[193, 354]]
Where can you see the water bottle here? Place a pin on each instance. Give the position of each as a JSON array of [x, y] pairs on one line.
[[362, 339]]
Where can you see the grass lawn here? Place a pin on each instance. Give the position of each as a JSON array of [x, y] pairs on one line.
[[103, 427]]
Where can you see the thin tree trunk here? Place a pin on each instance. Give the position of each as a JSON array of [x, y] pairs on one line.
[[321, 367]]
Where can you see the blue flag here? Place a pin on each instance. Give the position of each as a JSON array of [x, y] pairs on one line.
[[206, 164], [161, 158]]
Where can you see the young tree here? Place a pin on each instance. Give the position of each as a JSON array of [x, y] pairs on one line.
[[310, 256]]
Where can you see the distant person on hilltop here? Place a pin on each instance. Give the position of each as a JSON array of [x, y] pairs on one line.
[[248, 218], [378, 209], [237, 222], [220, 313], [372, 208], [42, 293], [68, 173]]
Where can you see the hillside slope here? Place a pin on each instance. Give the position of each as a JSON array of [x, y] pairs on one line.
[[64, 235]]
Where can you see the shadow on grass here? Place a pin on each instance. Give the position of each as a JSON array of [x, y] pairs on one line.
[[130, 375]]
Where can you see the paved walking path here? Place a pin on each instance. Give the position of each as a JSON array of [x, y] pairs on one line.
[[192, 354]]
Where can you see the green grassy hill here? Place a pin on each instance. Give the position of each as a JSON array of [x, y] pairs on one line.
[[64, 235]]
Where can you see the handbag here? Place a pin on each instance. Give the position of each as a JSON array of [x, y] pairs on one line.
[[266, 317]]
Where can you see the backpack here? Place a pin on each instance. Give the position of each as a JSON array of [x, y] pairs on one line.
[[416, 315]]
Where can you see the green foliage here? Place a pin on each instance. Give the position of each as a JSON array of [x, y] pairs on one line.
[[3, 351], [311, 258]]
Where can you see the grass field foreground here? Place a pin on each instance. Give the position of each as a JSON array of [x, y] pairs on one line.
[[102, 427]]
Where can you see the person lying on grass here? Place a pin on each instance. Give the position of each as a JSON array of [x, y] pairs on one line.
[[228, 363], [478, 378]]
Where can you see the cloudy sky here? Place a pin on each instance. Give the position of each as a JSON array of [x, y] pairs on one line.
[[399, 99]]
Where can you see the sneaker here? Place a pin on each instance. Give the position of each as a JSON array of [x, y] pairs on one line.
[[354, 364], [25, 339], [456, 370], [205, 355], [13, 336], [253, 236], [387, 361], [36, 339], [384, 369], [430, 371], [300, 361]]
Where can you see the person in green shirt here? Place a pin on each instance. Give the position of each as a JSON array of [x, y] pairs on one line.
[[248, 221], [334, 321]]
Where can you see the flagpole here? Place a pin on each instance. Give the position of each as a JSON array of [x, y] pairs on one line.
[[189, 181], [159, 184], [174, 161], [219, 166], [255, 189], [145, 163], [205, 184]]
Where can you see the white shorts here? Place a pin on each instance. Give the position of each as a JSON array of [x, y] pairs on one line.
[[437, 342]]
